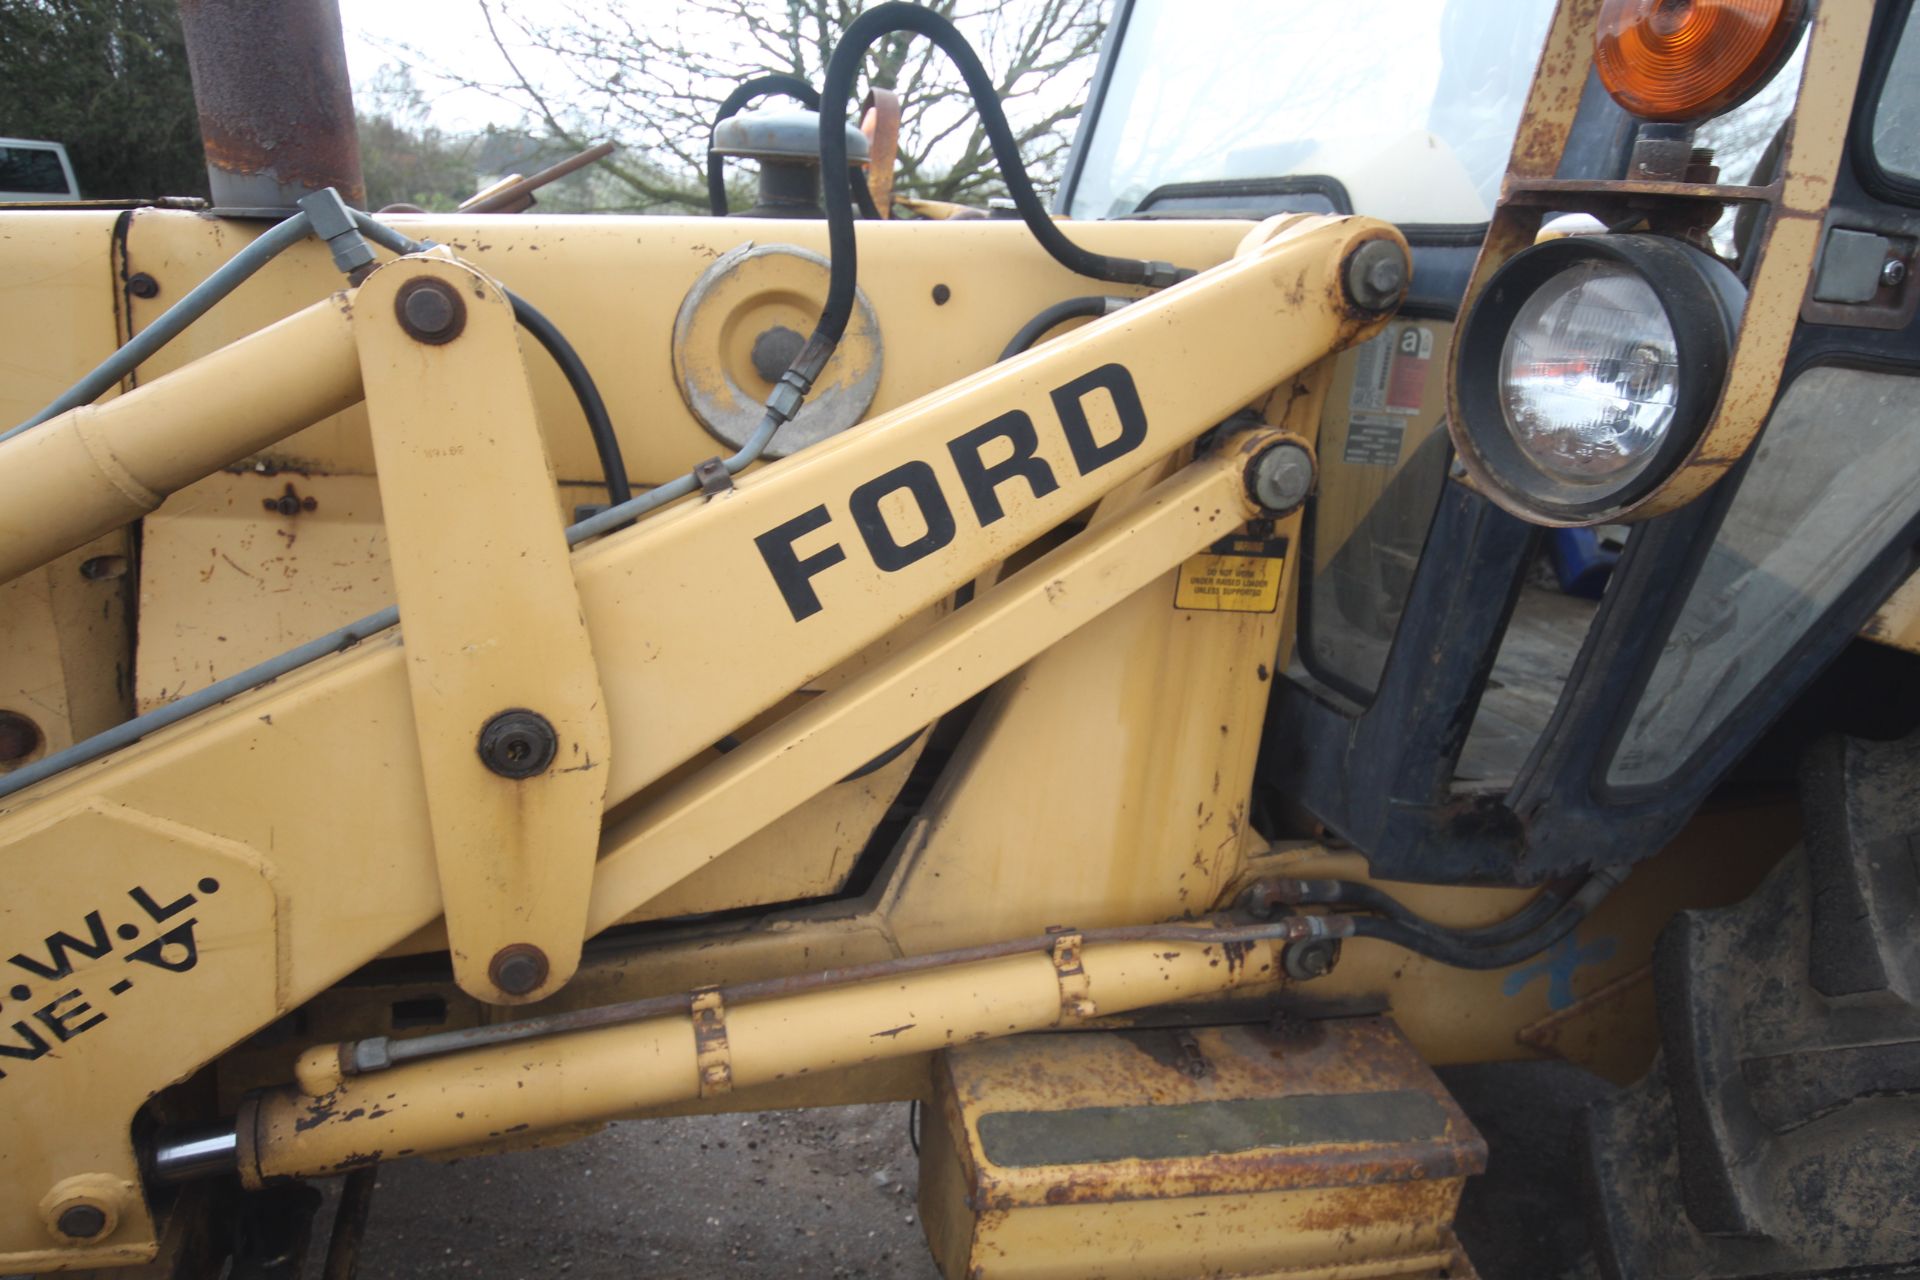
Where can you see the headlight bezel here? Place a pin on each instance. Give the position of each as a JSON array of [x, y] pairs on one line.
[[1702, 300]]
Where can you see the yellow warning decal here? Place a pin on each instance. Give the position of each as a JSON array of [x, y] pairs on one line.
[[1230, 584]]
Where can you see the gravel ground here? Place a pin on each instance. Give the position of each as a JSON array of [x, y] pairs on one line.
[[779, 1194]]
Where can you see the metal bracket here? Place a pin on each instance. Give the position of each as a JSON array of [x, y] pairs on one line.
[[711, 1054], [1074, 1000], [714, 477], [507, 706]]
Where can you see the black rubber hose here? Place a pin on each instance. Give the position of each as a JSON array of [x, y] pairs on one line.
[[1500, 955], [758, 87], [613, 467], [1098, 304], [1353, 894], [842, 69]]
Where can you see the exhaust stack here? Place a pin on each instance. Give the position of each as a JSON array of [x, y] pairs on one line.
[[275, 102]]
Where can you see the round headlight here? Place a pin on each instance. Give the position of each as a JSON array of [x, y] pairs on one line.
[[1587, 370], [1590, 372]]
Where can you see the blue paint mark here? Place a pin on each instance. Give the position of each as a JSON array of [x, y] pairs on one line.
[[1558, 966]]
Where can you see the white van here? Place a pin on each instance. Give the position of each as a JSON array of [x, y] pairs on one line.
[[34, 172]]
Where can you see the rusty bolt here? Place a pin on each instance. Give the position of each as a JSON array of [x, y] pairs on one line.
[[430, 311], [774, 352], [82, 1221], [1281, 477], [1376, 274], [19, 737], [1315, 958], [142, 285], [518, 968], [518, 743]]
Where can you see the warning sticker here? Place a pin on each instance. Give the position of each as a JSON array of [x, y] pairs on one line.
[[1238, 574], [1390, 372], [1373, 440]]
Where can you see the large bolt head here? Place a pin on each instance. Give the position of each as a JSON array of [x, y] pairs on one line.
[[1376, 275], [82, 1221], [518, 968], [1281, 477], [518, 744], [430, 311]]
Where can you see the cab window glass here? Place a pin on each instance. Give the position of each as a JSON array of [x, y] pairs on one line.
[[1410, 104], [1834, 477], [1896, 117], [1383, 460]]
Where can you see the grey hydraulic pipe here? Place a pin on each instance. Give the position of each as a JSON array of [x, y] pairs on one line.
[[175, 318]]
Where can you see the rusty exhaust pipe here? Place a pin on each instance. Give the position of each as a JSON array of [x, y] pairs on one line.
[[275, 102]]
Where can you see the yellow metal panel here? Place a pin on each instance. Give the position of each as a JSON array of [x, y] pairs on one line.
[[159, 942], [64, 645], [613, 284], [59, 321], [661, 843]]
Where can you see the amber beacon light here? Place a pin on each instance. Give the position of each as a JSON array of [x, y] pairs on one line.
[[1683, 60]]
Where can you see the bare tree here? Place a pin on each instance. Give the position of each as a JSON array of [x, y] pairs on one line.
[[653, 77]]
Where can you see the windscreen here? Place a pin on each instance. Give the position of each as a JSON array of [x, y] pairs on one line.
[[1411, 104]]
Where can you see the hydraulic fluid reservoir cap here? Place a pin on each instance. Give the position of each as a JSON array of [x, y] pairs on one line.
[[781, 135], [743, 322]]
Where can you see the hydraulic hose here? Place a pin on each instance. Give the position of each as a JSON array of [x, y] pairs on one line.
[[613, 465], [1059, 313], [1535, 913], [842, 68], [758, 87], [1498, 955], [171, 322]]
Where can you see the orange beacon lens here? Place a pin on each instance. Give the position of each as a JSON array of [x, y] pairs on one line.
[[1683, 60]]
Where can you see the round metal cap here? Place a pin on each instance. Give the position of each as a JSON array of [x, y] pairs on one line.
[[780, 135], [518, 744]]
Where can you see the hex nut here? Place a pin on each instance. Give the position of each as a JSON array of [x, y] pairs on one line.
[[1314, 958], [1281, 477], [1376, 275], [775, 350]]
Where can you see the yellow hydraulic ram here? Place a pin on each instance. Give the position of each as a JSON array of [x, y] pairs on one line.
[[97, 467], [333, 1121]]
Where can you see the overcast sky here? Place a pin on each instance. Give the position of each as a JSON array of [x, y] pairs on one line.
[[449, 33]]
